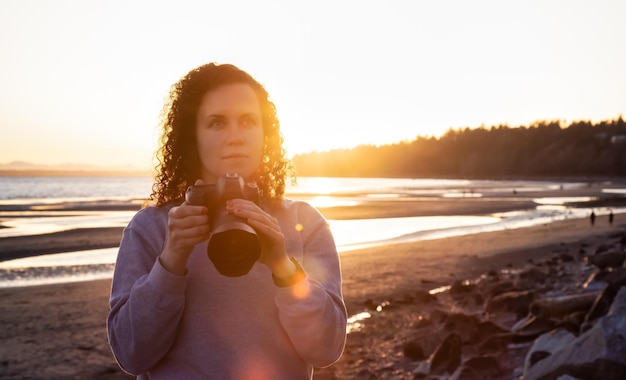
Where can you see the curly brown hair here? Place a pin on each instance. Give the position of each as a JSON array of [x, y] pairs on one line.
[[178, 158]]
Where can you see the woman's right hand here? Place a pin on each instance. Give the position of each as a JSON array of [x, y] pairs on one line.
[[187, 225]]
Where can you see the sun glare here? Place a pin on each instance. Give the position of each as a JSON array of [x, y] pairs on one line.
[[322, 185]]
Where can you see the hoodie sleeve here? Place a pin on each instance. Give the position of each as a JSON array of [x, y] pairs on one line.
[[312, 311], [146, 300]]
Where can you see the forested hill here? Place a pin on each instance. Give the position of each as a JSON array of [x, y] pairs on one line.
[[543, 149]]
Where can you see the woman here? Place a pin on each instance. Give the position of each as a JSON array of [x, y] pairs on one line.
[[173, 315]]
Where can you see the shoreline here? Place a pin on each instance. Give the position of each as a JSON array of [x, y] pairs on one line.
[[100, 241], [88, 238]]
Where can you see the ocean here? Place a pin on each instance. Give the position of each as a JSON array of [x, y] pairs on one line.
[[51, 194]]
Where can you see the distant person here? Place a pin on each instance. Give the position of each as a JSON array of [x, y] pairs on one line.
[[611, 217], [592, 218], [175, 313]]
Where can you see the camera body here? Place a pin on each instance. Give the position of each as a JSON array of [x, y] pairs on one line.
[[234, 246]]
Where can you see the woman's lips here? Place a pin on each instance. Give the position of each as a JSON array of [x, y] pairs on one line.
[[234, 155]]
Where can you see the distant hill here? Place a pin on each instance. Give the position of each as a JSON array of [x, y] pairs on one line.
[[22, 168]]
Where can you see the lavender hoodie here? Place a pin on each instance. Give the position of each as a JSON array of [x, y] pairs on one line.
[[207, 326]]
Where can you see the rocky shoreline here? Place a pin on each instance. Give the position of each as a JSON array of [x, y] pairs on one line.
[[551, 317]]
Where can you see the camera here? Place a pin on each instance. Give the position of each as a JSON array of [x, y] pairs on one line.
[[234, 246]]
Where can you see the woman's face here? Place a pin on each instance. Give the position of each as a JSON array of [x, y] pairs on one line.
[[229, 131]]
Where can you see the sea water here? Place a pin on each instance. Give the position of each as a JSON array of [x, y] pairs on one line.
[[320, 192]]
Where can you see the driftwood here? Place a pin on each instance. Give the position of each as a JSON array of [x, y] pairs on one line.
[[560, 306]]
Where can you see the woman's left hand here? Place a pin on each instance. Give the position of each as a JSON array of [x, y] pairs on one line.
[[273, 251]]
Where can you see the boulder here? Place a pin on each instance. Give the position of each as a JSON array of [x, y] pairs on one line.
[[599, 353], [545, 345], [613, 281]]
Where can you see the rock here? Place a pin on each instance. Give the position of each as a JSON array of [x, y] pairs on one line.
[[438, 315], [485, 367], [530, 277], [594, 282], [531, 327], [445, 359], [545, 345], [500, 287], [601, 304], [535, 356], [461, 288], [464, 373], [616, 278], [559, 306], [599, 353], [601, 248], [613, 281], [619, 303], [572, 322], [493, 274], [466, 326], [612, 259], [567, 377], [488, 328], [413, 351], [496, 344], [513, 301], [447, 356]]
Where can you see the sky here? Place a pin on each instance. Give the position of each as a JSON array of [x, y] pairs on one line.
[[84, 81]]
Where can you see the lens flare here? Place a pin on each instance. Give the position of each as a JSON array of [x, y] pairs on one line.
[[301, 290]]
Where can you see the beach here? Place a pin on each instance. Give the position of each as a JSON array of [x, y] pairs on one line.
[[58, 331]]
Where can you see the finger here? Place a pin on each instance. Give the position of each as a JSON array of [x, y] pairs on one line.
[[257, 216], [185, 217], [263, 228], [190, 236], [195, 232], [243, 206], [186, 210], [188, 222]]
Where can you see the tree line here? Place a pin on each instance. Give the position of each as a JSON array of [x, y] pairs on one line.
[[542, 149]]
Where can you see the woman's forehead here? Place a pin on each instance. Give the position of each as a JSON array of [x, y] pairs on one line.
[[230, 97]]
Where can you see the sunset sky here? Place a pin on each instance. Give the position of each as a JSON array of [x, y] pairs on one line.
[[84, 81]]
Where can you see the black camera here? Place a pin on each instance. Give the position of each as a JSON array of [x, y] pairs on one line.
[[234, 246]]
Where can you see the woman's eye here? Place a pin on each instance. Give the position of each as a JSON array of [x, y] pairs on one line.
[[216, 124], [248, 122]]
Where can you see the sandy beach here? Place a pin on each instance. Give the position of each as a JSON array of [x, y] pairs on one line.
[[58, 331]]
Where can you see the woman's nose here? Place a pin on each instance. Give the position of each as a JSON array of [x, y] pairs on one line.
[[234, 133]]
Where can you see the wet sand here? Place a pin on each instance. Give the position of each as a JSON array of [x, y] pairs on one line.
[[58, 331]]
